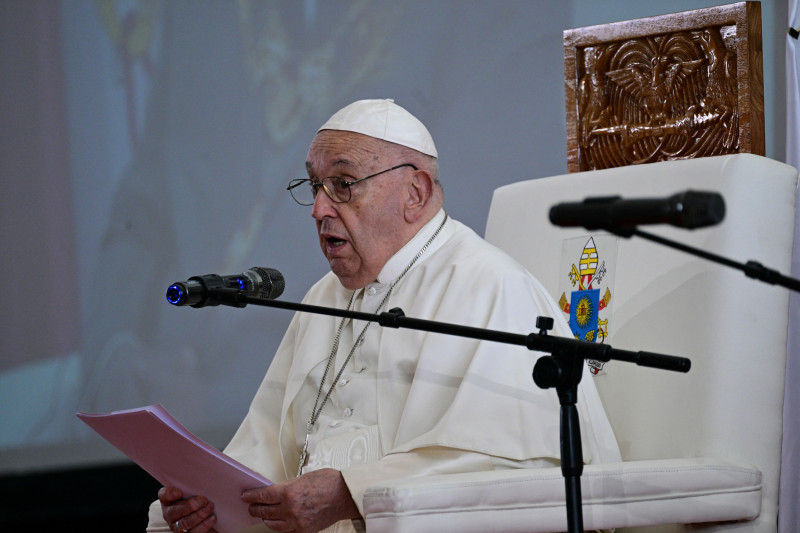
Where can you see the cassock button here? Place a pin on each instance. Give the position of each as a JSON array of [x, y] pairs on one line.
[[371, 291], [344, 382], [348, 412]]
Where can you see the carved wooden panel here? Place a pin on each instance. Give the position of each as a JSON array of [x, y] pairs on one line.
[[675, 86]]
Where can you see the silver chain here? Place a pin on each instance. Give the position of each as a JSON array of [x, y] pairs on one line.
[[315, 412]]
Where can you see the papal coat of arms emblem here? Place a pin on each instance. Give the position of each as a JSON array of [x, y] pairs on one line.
[[589, 283]]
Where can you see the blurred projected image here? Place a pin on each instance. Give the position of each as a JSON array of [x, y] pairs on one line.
[[154, 141]]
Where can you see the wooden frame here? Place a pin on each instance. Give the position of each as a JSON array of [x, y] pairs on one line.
[[675, 86]]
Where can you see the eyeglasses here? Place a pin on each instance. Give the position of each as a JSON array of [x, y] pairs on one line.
[[336, 187]]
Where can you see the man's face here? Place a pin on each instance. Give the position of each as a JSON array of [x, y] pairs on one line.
[[358, 237]]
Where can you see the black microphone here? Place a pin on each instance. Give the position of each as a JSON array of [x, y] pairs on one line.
[[260, 282], [689, 209]]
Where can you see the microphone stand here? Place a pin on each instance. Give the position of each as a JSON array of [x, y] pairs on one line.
[[751, 269], [562, 369]]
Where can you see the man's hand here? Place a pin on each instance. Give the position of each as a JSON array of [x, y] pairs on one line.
[[194, 514], [308, 503]]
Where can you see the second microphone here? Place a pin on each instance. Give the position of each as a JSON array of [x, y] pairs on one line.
[[689, 209], [197, 291]]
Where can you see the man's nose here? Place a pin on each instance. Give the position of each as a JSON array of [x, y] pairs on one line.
[[323, 205]]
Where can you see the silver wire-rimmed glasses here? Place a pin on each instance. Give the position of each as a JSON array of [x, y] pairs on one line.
[[304, 190]]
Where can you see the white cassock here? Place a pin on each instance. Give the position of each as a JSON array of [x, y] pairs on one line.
[[409, 402]]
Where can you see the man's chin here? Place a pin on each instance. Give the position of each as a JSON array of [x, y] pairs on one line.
[[349, 280], [350, 283]]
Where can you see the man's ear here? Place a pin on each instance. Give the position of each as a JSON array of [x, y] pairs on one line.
[[419, 193]]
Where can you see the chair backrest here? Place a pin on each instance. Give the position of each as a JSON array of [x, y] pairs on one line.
[[733, 328], [663, 88]]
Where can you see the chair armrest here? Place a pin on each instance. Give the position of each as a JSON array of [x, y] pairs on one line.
[[627, 494]]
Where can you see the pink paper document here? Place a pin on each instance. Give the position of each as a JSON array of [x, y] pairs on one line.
[[158, 443]]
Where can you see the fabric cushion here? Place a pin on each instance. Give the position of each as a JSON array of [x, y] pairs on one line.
[[635, 493]]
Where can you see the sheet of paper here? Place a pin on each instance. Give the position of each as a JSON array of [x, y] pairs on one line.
[[159, 444]]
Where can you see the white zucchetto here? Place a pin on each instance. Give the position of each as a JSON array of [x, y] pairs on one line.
[[385, 120]]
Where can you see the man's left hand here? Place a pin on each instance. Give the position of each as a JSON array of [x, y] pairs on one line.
[[308, 503]]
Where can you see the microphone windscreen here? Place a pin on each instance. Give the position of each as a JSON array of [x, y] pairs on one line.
[[272, 282], [700, 209]]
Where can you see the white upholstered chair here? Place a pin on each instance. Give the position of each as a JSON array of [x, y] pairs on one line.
[[700, 448]]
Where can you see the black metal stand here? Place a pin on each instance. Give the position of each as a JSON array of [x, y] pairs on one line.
[[562, 369], [395, 318]]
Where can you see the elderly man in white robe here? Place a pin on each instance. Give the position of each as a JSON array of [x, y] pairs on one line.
[[345, 403]]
